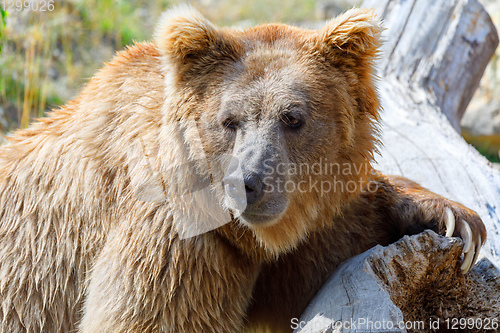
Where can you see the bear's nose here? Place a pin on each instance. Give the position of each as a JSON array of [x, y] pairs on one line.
[[254, 188]]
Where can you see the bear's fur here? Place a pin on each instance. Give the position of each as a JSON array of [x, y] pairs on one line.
[[95, 198]]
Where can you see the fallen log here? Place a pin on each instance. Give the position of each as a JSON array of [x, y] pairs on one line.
[[413, 285]]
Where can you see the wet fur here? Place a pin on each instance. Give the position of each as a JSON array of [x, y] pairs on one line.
[[79, 250]]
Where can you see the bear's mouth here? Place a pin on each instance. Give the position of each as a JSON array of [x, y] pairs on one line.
[[258, 218]]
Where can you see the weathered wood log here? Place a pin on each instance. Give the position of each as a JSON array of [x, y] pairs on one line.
[[422, 276], [431, 63], [352, 297], [436, 50], [418, 276]]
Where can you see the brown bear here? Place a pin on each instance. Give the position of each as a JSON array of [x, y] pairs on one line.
[[209, 181]]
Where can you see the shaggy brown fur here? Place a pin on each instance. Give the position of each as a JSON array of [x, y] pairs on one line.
[[93, 198]]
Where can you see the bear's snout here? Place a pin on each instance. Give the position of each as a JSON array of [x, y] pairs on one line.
[[253, 187]]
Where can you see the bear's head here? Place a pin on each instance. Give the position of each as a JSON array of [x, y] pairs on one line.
[[296, 109]]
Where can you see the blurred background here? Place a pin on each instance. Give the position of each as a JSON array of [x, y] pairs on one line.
[[47, 57]]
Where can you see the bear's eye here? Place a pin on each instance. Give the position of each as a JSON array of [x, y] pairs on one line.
[[229, 123], [291, 121]]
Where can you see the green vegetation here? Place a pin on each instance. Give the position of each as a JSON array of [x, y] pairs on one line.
[[3, 14], [48, 55], [486, 145], [119, 22], [3, 23], [486, 152]]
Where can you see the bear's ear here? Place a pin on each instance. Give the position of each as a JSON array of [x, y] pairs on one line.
[[355, 33], [188, 40]]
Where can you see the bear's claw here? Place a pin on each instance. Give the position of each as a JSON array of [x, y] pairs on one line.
[[471, 248], [450, 222]]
